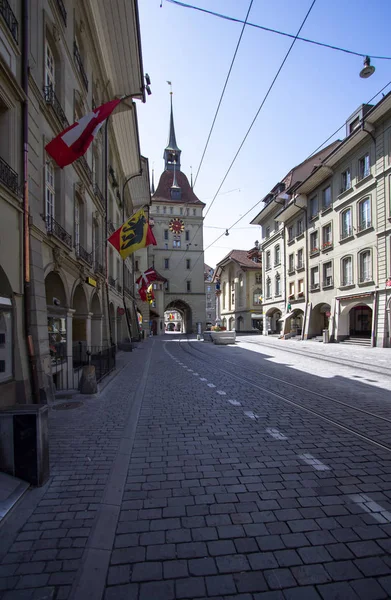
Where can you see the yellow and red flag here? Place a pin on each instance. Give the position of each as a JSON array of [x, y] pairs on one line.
[[134, 234], [150, 296]]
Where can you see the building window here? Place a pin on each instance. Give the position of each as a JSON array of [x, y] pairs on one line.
[[268, 288], [166, 263], [291, 263], [171, 210], [354, 124], [166, 234], [300, 287], [315, 278], [276, 225], [291, 289], [314, 242], [176, 243], [326, 198], [346, 181], [187, 236], [268, 261], [313, 207], [365, 265], [181, 211], [327, 238], [224, 294], [364, 214], [50, 65], [347, 270], [166, 286], [258, 277], [136, 265], [364, 166], [277, 255], [232, 293], [77, 222], [346, 224], [194, 212], [241, 290], [164, 210], [188, 286], [277, 285], [328, 274], [257, 297], [158, 209], [208, 289], [300, 259], [267, 232], [299, 227], [187, 263], [166, 246], [49, 191], [6, 342], [290, 233]]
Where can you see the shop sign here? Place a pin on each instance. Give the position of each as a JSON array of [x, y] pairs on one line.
[[120, 311], [91, 281]]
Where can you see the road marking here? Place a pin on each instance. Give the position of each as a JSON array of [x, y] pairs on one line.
[[211, 385], [251, 415], [190, 370], [221, 392], [196, 374], [277, 435], [380, 514], [235, 402], [203, 379], [314, 462]]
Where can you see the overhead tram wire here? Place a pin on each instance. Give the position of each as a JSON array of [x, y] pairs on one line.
[[278, 32], [309, 156], [251, 126], [223, 92]]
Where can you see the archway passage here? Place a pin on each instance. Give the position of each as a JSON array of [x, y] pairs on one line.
[[360, 321], [56, 306], [184, 310], [294, 323], [273, 323], [239, 324], [79, 327], [320, 318]]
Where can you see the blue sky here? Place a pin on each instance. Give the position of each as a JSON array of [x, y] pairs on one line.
[[316, 91]]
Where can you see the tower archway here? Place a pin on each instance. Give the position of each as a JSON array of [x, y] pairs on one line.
[[185, 313]]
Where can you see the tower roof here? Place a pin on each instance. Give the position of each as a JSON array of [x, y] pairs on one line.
[[172, 145], [163, 190]]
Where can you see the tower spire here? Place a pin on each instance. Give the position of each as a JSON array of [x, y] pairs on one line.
[[153, 182], [172, 154]]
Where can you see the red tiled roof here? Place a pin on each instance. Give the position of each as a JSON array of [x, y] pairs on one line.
[[241, 257], [163, 190]]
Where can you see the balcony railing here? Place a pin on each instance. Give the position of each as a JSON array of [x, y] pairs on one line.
[[62, 10], [348, 232], [9, 18], [79, 64], [8, 176], [82, 253], [364, 225], [54, 228], [99, 195], [111, 281], [99, 268], [82, 161], [51, 98]]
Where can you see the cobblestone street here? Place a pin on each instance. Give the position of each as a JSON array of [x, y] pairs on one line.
[[255, 471]]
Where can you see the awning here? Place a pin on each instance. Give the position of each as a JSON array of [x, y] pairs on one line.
[[286, 316]]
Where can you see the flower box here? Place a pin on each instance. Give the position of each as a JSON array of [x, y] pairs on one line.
[[223, 337]]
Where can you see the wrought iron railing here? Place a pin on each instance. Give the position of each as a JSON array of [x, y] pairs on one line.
[[8, 176], [62, 10], [79, 64], [86, 167], [67, 370], [51, 98], [111, 280], [9, 18], [82, 253], [99, 195], [54, 228]]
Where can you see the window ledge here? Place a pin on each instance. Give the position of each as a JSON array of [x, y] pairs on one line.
[[344, 193], [315, 253], [277, 264], [267, 268], [327, 209], [316, 289], [371, 228], [364, 180], [364, 283], [277, 295], [314, 217], [328, 248], [328, 287], [302, 268], [347, 286], [300, 236], [291, 272], [291, 241], [346, 239]]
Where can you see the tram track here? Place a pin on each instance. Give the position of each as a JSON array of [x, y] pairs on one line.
[[378, 426]]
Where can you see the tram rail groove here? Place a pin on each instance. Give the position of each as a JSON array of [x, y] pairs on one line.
[[280, 397]]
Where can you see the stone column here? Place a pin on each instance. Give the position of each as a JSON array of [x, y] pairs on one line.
[[88, 329], [69, 320]]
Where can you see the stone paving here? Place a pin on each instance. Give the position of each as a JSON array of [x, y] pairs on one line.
[[228, 492]]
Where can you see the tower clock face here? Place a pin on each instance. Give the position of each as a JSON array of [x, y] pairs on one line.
[[176, 225]]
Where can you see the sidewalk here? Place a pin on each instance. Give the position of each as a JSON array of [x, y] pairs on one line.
[[43, 539]]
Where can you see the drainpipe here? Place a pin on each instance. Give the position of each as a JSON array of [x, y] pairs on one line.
[[26, 225], [123, 262], [374, 318]]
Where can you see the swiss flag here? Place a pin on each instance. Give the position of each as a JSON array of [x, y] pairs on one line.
[[74, 141]]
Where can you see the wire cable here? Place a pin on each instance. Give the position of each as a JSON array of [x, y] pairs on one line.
[[223, 92], [283, 33]]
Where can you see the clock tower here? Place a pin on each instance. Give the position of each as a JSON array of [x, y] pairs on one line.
[[179, 254]]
